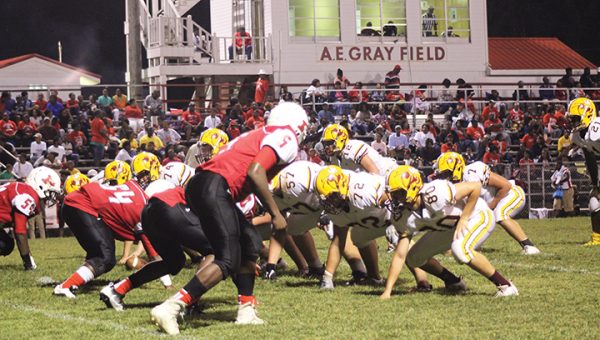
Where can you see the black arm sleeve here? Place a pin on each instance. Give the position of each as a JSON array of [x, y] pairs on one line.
[[591, 165]]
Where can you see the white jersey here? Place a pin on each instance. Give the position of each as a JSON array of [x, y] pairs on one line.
[[481, 172], [591, 140], [439, 209], [356, 150], [365, 192], [249, 206], [296, 184]]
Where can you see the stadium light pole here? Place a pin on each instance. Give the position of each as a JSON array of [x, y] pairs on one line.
[[133, 76]]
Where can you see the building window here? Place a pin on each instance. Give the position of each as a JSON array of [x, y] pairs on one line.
[[385, 18], [317, 19], [445, 19]]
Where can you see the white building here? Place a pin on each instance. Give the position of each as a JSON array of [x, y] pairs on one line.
[[298, 40], [37, 72]]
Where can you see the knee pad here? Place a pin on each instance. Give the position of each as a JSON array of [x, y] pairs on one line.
[[461, 254], [7, 243]]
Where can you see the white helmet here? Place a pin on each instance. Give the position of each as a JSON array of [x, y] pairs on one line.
[[157, 186], [177, 173], [46, 184], [292, 115]]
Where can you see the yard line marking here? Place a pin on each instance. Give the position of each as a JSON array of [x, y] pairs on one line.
[[559, 269], [66, 317]]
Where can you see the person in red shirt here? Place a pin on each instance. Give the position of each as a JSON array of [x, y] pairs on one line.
[[192, 121], [72, 102], [233, 131], [171, 157], [493, 125], [253, 107], [357, 94], [529, 140], [41, 103], [516, 114], [491, 156], [256, 121], [489, 108], [99, 138], [134, 114], [245, 166], [526, 161], [8, 128], [475, 132], [20, 201], [450, 145], [25, 130], [262, 86], [243, 44]]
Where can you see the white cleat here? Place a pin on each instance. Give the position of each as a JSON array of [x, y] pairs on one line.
[[165, 315], [111, 298], [531, 250], [507, 290], [59, 290], [247, 315], [327, 283]]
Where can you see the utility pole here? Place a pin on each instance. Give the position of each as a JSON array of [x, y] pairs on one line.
[[133, 77]]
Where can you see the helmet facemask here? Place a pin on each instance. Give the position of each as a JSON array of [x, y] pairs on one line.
[[335, 203], [205, 153]]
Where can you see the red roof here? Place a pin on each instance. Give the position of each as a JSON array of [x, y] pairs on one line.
[[10, 61], [533, 53]]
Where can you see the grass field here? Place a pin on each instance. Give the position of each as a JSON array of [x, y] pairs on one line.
[[559, 298]]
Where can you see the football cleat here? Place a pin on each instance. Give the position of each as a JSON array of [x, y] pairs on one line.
[[459, 287], [270, 274], [507, 290], [422, 287], [59, 290], [531, 250], [165, 315], [111, 298], [327, 283], [247, 315], [595, 241], [315, 272], [29, 263]]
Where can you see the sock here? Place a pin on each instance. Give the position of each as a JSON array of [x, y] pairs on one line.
[[448, 277], [526, 242], [327, 276], [27, 260], [82, 276], [195, 289], [183, 296], [151, 271], [498, 279], [244, 299], [123, 286], [245, 284]]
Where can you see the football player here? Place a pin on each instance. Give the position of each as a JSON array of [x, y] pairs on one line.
[[245, 166], [586, 134], [146, 168], [19, 201], [504, 197], [452, 216], [209, 144], [97, 214], [117, 173], [75, 182]]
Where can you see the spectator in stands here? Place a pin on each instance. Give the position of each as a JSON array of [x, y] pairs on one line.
[[135, 116], [212, 121], [560, 93], [525, 161], [489, 108], [8, 128], [563, 196], [153, 106], [167, 135], [392, 78], [564, 142], [544, 157], [55, 93], [256, 121], [338, 98], [429, 153], [38, 147], [368, 31], [546, 89], [58, 149], [420, 138], [379, 145], [100, 137], [285, 95], [449, 33], [47, 130], [520, 93], [475, 132], [150, 137], [243, 44], [445, 97], [50, 160], [316, 92], [340, 77], [41, 103], [119, 100], [125, 153], [78, 140], [171, 156], [6, 102], [358, 94], [105, 100], [464, 91], [493, 125], [502, 148], [313, 156], [586, 78], [469, 155], [567, 80], [192, 121], [326, 114], [450, 144], [22, 168], [65, 119], [262, 86], [377, 95], [462, 112], [390, 29], [233, 130], [54, 106], [491, 157], [72, 103]]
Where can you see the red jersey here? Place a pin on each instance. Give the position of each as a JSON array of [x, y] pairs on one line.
[[119, 206], [18, 202], [171, 197], [232, 162], [8, 128]]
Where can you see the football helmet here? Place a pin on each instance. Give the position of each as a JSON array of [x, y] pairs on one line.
[[210, 143], [334, 138], [46, 184], [332, 187], [177, 173], [146, 168], [403, 185], [581, 112], [75, 182], [117, 173], [450, 166], [292, 115]]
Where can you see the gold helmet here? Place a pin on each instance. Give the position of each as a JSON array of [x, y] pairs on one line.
[[335, 135], [332, 188], [210, 143], [403, 185], [75, 182], [581, 112], [117, 173], [146, 168], [450, 166]]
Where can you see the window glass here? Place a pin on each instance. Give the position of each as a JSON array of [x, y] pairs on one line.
[[445, 18], [381, 17], [314, 18]]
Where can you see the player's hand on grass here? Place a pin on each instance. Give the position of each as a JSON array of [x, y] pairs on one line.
[[279, 222], [124, 259]]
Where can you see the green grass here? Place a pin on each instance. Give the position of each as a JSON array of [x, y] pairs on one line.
[[559, 298]]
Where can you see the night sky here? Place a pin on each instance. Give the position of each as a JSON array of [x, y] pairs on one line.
[[91, 31]]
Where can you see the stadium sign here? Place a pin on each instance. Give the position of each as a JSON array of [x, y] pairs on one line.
[[382, 53]]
